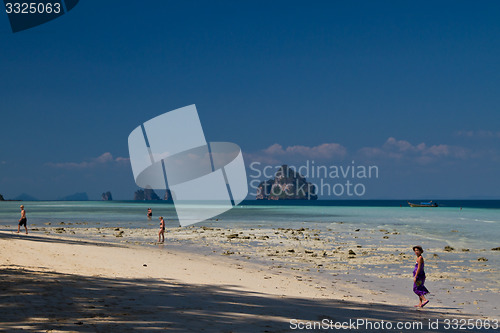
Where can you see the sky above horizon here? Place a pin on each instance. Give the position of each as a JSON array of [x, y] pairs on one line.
[[411, 88]]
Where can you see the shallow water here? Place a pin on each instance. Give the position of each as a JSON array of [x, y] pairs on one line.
[[476, 225]]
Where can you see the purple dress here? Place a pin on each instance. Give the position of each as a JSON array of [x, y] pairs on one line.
[[418, 286]]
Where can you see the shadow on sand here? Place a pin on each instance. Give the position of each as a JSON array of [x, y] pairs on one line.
[[33, 238], [45, 301]]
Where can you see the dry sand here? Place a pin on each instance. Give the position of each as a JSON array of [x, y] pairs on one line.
[[220, 280]]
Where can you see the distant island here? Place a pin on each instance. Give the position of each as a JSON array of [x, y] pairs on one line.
[[286, 185], [106, 196], [25, 197], [139, 195], [80, 196], [150, 195], [146, 194], [168, 196]]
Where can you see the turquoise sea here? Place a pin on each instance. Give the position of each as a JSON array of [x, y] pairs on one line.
[[476, 225]]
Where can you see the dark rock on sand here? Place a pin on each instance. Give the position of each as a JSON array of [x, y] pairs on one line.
[[495, 249], [448, 248], [482, 259]]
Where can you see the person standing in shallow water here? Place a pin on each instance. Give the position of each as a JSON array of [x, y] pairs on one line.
[[161, 233], [150, 213], [419, 278], [22, 220]]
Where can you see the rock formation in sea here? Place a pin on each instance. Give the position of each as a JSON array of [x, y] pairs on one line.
[[1, 198], [286, 185], [106, 196], [168, 196], [146, 194]]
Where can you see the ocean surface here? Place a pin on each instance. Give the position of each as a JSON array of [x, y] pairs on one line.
[[461, 223]]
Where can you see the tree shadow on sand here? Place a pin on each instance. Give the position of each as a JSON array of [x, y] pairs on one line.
[[45, 301]]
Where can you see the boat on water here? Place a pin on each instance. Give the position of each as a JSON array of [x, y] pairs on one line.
[[423, 204]]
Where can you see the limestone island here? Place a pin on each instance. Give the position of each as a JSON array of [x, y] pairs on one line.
[[286, 185]]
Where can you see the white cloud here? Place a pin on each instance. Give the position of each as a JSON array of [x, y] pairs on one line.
[[277, 154], [106, 158], [422, 153], [479, 134], [392, 149]]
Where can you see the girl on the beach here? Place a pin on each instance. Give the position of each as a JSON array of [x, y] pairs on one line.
[[161, 233], [419, 278]]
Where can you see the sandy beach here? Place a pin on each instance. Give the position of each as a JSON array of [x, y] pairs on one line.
[[310, 166], [67, 278]]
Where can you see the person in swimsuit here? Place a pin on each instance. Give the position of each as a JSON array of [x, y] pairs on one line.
[[22, 220], [150, 213], [161, 233], [419, 278]]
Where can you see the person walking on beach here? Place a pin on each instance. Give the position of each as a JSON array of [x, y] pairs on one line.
[[419, 278], [161, 233], [22, 220], [150, 213]]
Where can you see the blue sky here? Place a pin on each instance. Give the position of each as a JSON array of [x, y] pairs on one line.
[[412, 87]]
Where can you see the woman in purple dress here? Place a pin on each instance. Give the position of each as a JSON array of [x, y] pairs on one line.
[[419, 278]]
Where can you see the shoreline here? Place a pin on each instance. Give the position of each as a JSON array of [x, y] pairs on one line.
[[378, 275], [471, 228]]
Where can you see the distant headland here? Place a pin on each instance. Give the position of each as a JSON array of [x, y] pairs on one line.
[[150, 195]]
